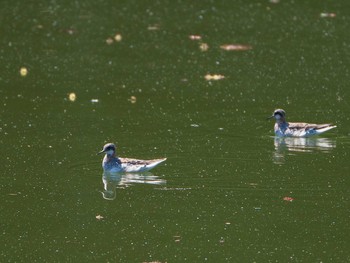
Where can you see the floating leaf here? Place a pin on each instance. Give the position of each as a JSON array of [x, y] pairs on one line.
[[214, 77], [288, 199], [331, 15], [195, 37], [72, 96], [23, 71], [118, 37], [132, 99], [177, 238], [99, 217], [235, 47], [153, 27], [203, 46], [109, 41], [70, 31]]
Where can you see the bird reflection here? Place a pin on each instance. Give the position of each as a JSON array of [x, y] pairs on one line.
[[112, 180], [298, 144]]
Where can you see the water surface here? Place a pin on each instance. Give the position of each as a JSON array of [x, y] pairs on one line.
[[229, 191]]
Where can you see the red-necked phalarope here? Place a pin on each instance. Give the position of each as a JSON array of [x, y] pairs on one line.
[[112, 163], [296, 129]]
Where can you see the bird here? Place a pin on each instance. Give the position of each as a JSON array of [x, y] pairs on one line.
[[296, 129], [112, 163]]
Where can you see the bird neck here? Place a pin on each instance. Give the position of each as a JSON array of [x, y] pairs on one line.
[[110, 156], [281, 120]]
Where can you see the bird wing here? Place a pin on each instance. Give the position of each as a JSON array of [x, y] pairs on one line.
[[136, 165], [130, 161], [307, 126]]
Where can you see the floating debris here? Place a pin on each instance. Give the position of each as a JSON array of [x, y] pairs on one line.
[[214, 77], [235, 47], [195, 37], [177, 238], [23, 71], [132, 99], [72, 96], [203, 46], [109, 41], [331, 15], [99, 217], [153, 27], [70, 31], [194, 125], [288, 199], [118, 37]]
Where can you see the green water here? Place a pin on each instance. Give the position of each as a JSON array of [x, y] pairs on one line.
[[220, 195]]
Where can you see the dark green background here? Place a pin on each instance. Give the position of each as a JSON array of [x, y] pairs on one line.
[[225, 177]]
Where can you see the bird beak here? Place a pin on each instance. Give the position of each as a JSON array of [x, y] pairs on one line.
[[100, 152], [270, 117]]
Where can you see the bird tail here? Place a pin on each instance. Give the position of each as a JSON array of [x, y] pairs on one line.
[[155, 163], [322, 130]]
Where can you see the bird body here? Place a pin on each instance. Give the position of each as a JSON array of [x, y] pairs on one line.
[[112, 163], [283, 128]]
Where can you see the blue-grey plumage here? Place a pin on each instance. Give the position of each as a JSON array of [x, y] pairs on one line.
[[296, 129], [112, 163]]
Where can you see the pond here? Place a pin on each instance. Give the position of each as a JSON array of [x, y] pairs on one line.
[[192, 82]]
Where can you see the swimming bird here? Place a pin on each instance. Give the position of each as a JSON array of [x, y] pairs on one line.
[[112, 163], [296, 129]]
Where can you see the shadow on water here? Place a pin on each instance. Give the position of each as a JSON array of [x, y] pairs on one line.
[[287, 145], [112, 180]]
